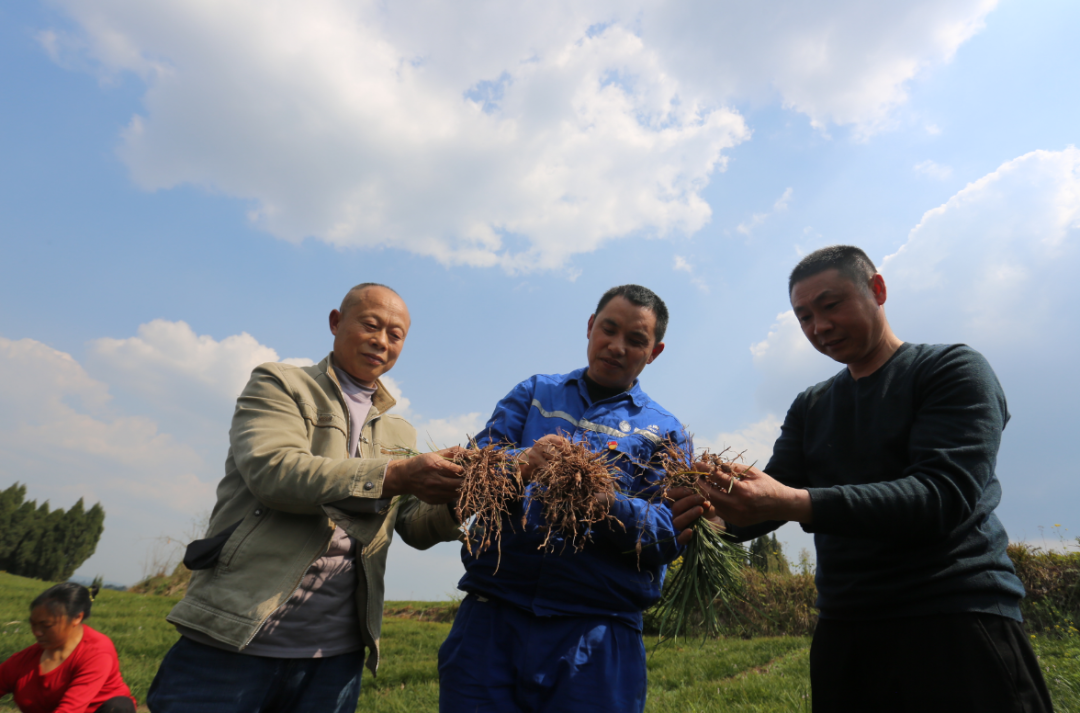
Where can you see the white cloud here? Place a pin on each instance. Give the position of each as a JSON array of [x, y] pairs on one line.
[[61, 435], [933, 170], [781, 203], [188, 382], [683, 265], [168, 357], [838, 62], [755, 441], [487, 134], [995, 264], [747, 226], [56, 411], [779, 206], [434, 433], [788, 364], [338, 120], [403, 407], [446, 432]]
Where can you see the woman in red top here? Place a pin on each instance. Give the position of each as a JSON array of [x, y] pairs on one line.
[[71, 668]]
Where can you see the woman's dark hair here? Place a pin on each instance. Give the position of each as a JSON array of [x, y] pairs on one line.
[[67, 598]]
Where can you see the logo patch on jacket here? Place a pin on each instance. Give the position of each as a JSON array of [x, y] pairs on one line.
[[624, 426]]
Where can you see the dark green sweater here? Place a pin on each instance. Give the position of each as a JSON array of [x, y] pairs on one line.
[[900, 469]]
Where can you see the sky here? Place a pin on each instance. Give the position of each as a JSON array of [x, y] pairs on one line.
[[188, 188]]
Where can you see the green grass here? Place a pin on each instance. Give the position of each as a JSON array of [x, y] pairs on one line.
[[759, 675], [1059, 657]]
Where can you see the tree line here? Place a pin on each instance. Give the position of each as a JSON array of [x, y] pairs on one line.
[[42, 543]]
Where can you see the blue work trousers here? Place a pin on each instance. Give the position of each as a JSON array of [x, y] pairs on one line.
[[502, 659], [196, 678]]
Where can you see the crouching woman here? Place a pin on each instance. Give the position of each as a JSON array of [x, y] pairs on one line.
[[71, 668]]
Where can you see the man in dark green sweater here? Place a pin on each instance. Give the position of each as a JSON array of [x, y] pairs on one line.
[[890, 463]]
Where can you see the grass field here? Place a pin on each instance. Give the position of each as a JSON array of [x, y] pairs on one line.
[[760, 675]]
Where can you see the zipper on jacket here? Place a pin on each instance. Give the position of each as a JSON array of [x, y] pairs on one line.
[[360, 554]]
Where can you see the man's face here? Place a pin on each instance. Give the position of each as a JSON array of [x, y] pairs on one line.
[[621, 342], [368, 338], [843, 321]]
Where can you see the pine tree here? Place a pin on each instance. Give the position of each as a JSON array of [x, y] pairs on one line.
[[778, 563], [12, 512], [42, 543], [767, 555], [759, 558]]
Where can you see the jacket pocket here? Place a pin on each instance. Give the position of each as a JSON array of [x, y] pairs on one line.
[[328, 431], [204, 554], [241, 536]]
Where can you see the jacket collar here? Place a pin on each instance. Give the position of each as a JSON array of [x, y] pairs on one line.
[[634, 392], [382, 400]]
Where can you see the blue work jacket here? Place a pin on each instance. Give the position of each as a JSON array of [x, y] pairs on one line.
[[607, 577]]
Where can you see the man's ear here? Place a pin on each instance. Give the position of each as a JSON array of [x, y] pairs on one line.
[[335, 320], [588, 332], [655, 352], [878, 289]]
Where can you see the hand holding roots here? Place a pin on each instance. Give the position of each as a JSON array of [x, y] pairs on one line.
[[575, 488], [679, 473], [490, 484], [709, 573]]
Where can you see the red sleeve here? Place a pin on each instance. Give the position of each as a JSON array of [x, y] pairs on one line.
[[7, 677], [13, 669]]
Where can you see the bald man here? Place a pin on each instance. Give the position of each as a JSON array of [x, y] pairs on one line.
[[287, 590]]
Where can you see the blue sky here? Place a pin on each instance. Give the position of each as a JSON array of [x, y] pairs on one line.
[[186, 190]]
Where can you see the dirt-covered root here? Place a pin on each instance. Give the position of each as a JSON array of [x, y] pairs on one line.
[[576, 489], [490, 485], [678, 465]]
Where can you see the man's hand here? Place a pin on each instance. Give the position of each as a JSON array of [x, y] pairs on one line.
[[541, 453], [686, 507], [748, 496], [431, 477]]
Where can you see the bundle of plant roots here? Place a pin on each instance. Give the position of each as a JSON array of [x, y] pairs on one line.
[[490, 483], [576, 489], [710, 572]]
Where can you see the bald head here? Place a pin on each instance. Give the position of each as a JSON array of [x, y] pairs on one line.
[[356, 294], [369, 331]]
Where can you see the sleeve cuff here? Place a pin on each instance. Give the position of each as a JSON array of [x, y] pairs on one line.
[[369, 479]]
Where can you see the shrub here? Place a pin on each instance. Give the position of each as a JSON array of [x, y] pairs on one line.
[[167, 585], [1052, 581], [776, 605]]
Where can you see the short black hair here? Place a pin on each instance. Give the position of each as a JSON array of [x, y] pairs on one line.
[[349, 300], [67, 598], [848, 260], [642, 297]]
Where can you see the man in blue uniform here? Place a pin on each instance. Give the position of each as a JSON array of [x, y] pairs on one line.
[[560, 630], [891, 464]]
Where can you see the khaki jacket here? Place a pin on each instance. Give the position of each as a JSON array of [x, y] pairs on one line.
[[288, 458]]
